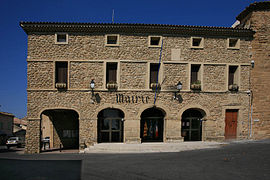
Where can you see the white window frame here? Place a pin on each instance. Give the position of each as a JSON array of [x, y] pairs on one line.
[[201, 46], [237, 46], [55, 39], [109, 35], [159, 44]]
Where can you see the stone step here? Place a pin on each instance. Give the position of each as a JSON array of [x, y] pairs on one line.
[[149, 147]]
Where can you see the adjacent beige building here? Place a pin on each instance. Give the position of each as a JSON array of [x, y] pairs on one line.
[[99, 83], [6, 125]]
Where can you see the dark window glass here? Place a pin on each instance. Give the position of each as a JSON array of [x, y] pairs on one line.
[[105, 137], [115, 124], [154, 73], [115, 136], [111, 72], [196, 41], [194, 73], [155, 41], [232, 42], [61, 38], [112, 39], [232, 70], [61, 72], [105, 124]]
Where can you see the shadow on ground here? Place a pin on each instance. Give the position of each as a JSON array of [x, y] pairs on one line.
[[40, 169]]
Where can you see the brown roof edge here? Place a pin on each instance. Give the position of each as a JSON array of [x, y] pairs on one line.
[[128, 27], [265, 5], [7, 114]]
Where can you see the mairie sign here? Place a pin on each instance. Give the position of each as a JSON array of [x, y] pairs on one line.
[[121, 98]]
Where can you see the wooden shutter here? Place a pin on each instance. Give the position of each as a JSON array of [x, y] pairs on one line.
[[194, 73], [154, 73], [232, 70], [61, 72], [111, 72]]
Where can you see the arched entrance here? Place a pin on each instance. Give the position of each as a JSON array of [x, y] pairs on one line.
[[192, 124], [152, 125], [59, 129], [110, 125]]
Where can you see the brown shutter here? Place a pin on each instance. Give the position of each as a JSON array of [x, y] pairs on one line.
[[153, 73], [111, 72], [61, 72], [194, 73], [232, 70]]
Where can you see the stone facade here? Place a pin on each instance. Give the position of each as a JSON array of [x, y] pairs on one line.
[[87, 56], [257, 17]]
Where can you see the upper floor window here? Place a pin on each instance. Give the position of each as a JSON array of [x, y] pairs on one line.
[[111, 75], [61, 74], [61, 38], [197, 42], [112, 40], [154, 41], [195, 79], [154, 69], [233, 78], [233, 43]]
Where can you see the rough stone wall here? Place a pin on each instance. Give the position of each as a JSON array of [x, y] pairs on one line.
[[214, 78], [133, 47], [172, 74], [244, 77], [81, 74], [260, 81], [32, 137], [132, 75], [40, 75]]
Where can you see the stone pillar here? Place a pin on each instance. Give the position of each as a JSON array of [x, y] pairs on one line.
[[32, 140], [173, 131], [132, 131], [87, 133]]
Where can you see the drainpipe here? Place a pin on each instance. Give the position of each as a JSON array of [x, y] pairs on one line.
[[251, 111]]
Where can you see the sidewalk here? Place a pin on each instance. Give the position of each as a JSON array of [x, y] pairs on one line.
[[151, 147]]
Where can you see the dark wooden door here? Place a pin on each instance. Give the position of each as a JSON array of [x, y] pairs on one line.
[[231, 124]]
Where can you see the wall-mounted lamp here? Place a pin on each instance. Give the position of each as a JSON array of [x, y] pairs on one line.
[[92, 86], [252, 62], [178, 87]]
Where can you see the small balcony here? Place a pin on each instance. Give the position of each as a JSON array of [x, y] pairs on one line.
[[112, 86], [61, 85]]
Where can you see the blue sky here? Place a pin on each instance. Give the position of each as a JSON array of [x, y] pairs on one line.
[[13, 40]]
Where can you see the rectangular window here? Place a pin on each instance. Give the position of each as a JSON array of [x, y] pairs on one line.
[[153, 74], [61, 74], [111, 73], [233, 78], [194, 73], [233, 43], [197, 42], [195, 83], [232, 75], [1, 125], [155, 41], [112, 40], [61, 38]]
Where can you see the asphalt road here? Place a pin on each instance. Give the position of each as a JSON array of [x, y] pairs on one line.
[[242, 160]]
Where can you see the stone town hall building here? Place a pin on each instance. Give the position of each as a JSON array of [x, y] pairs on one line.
[[136, 83]]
